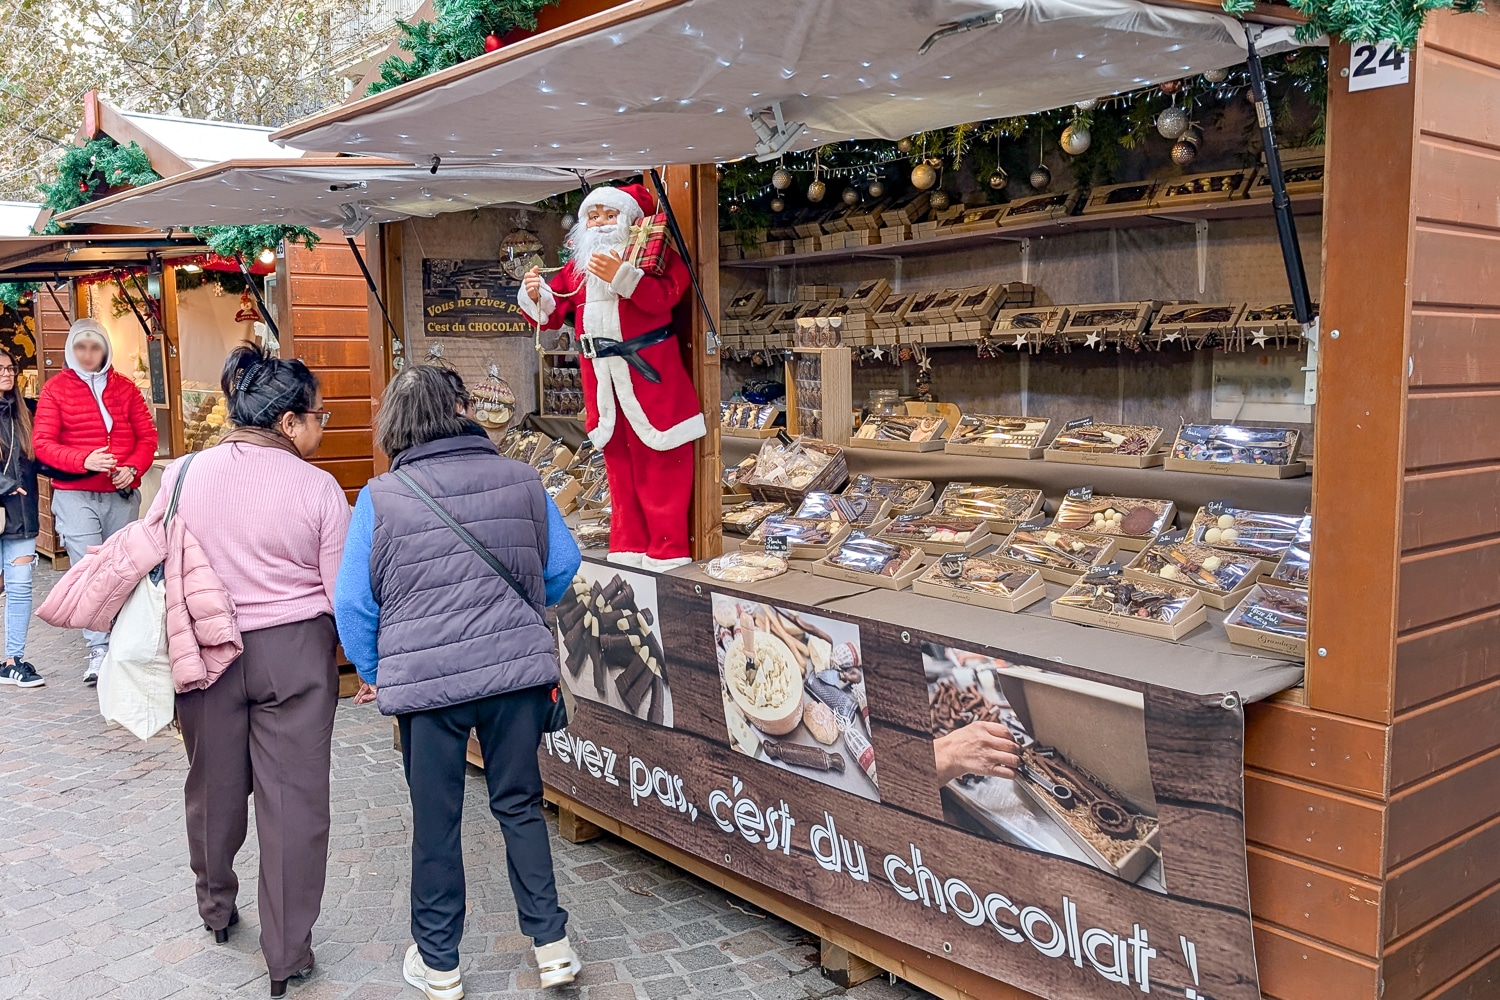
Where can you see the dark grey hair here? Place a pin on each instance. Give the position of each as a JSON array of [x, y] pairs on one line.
[[423, 403]]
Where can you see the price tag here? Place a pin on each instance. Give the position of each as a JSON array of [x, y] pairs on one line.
[[1035, 524], [1378, 64], [1073, 425], [1260, 618], [1103, 571], [777, 545], [1082, 494], [1171, 537], [1215, 508], [784, 438]]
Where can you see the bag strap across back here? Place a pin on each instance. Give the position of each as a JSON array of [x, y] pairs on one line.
[[463, 533], [177, 487]]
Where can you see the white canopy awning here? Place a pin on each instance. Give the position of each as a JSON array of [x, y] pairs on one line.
[[671, 81], [326, 192]]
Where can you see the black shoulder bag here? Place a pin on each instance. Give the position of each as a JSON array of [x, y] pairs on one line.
[[557, 719]]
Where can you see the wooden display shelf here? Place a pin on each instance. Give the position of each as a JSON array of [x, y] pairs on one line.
[[1239, 208]]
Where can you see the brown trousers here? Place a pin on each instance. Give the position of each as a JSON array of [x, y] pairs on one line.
[[266, 725]]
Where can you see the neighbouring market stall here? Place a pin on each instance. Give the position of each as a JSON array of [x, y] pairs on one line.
[[1362, 794]]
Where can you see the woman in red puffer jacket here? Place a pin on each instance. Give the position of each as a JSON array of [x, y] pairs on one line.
[[94, 437]]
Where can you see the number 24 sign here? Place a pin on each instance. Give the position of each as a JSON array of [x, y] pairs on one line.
[[1378, 64]]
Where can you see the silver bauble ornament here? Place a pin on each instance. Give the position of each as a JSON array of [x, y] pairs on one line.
[[903, 145], [1215, 75], [1075, 139], [1087, 104], [781, 179], [998, 179], [1172, 122], [1184, 152], [569, 220], [851, 196], [816, 190], [778, 204], [923, 176], [877, 189], [1041, 177], [938, 201]]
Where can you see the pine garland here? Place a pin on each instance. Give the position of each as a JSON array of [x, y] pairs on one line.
[[13, 292], [455, 35], [84, 171], [1365, 20], [248, 242]]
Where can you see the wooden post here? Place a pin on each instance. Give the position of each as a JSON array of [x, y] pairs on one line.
[[694, 193], [171, 349], [574, 828], [844, 968]]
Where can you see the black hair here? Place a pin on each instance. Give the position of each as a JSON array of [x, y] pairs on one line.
[[260, 389], [423, 403]]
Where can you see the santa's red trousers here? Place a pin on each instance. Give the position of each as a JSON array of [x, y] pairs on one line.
[[649, 492]]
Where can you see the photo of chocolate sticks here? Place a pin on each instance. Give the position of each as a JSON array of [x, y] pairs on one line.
[[611, 643]]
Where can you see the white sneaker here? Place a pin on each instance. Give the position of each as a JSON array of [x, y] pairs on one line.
[[558, 963], [96, 662], [435, 985]]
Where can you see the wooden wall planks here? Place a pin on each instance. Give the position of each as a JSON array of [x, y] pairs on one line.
[[1313, 824], [1440, 735], [1294, 967], [1425, 960], [1447, 658], [1315, 901], [1454, 348], [1430, 813], [1306, 745], [1424, 889]]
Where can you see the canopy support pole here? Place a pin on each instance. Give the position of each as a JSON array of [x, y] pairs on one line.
[[260, 301], [364, 269], [52, 291], [125, 293], [1286, 227]]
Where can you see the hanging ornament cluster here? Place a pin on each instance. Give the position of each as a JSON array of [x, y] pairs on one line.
[[1075, 138]]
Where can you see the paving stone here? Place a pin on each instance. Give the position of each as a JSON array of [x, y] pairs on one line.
[[100, 891]]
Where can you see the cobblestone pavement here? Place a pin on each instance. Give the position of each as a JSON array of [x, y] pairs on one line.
[[96, 897]]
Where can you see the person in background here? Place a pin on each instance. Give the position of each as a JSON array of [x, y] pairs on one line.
[[446, 643], [272, 526], [95, 438], [18, 540]]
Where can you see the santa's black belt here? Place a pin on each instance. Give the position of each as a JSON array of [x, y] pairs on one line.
[[628, 350]]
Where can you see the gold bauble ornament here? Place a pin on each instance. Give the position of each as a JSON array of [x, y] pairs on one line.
[[851, 196], [938, 201], [781, 179], [1075, 139], [923, 176], [903, 145], [1041, 177], [998, 179], [816, 190], [877, 189], [778, 204], [1215, 75]]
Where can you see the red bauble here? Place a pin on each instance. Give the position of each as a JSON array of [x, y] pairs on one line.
[[491, 43], [83, 187]]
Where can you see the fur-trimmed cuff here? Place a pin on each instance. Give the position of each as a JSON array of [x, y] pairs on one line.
[[627, 278], [539, 312]]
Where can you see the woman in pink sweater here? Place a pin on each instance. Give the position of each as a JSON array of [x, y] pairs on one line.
[[273, 529]]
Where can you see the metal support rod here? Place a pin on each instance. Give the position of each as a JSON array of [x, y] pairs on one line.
[[152, 306], [364, 269], [712, 347], [131, 302], [260, 302], [1281, 204], [57, 301]]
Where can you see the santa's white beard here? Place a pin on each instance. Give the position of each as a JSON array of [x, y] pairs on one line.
[[587, 241]]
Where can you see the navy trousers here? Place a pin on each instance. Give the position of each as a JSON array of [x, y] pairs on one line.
[[509, 727]]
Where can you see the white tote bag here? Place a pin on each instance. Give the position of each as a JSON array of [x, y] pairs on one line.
[[135, 683]]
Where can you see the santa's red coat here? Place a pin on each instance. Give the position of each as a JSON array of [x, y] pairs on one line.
[[663, 414]]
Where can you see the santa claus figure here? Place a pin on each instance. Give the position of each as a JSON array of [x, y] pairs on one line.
[[640, 407]]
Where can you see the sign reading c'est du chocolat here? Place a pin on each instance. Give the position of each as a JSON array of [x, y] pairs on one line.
[[470, 298]]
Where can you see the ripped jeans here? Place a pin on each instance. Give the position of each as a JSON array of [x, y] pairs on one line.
[[19, 556]]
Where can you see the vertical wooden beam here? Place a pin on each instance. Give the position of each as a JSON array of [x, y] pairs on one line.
[[694, 193], [171, 349], [1361, 426]]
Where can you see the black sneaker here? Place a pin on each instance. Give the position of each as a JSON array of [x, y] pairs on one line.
[[21, 675]]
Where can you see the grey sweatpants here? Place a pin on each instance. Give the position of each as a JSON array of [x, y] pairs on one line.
[[86, 518]]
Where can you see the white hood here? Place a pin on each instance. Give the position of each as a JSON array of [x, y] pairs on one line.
[[96, 381]]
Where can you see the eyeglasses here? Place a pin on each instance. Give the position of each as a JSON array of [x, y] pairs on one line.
[[323, 415], [6, 370]]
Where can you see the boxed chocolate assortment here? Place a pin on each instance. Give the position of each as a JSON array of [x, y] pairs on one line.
[[1060, 556], [1125, 446], [910, 433], [981, 581], [1130, 196], [1221, 577], [1271, 618], [1134, 521], [1111, 600], [803, 537], [1194, 325], [866, 512], [1261, 534], [751, 420], [1031, 326], [1199, 189], [1227, 449], [1039, 208], [563, 489], [1295, 567], [593, 533], [907, 496], [1268, 325], [745, 567], [872, 561], [1001, 507], [998, 436], [1116, 324], [938, 535], [744, 518]]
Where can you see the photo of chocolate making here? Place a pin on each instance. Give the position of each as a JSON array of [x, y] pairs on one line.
[[609, 626], [1045, 761], [794, 693]]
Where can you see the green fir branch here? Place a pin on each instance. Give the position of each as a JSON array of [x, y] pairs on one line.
[[456, 34], [248, 242]]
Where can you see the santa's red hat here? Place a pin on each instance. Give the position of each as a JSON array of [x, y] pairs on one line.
[[632, 201]]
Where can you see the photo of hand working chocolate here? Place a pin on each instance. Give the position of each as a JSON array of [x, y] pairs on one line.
[[1045, 761], [794, 692], [609, 626]]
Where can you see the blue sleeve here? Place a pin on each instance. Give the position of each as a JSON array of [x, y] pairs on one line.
[[354, 607], [563, 557]]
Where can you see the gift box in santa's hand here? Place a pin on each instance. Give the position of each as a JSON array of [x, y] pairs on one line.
[[640, 407]]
